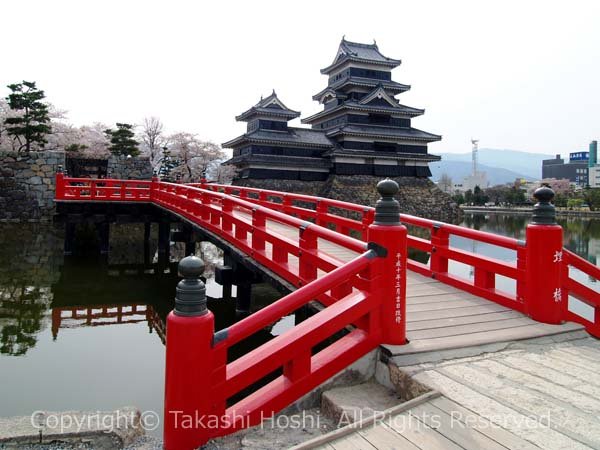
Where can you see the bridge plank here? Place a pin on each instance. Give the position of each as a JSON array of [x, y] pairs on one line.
[[458, 330], [465, 320]]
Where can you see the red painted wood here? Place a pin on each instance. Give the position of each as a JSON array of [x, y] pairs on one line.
[[357, 292]]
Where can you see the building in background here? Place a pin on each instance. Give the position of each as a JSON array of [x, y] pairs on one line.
[[593, 167], [362, 130], [576, 170]]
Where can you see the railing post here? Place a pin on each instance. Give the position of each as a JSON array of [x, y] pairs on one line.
[[189, 362], [259, 222], [226, 213], [154, 185], [308, 243], [439, 239], [545, 298], [387, 236], [60, 184], [321, 211]]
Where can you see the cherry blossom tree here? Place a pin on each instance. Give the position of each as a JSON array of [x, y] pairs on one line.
[[196, 157]]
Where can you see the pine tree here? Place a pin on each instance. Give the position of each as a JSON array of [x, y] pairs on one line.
[[32, 123], [122, 141], [167, 164]]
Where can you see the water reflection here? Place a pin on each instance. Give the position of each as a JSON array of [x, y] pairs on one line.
[[72, 328]]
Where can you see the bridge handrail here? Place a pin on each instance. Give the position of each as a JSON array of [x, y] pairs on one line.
[[367, 211], [581, 292], [291, 302], [366, 293], [438, 245], [322, 232]]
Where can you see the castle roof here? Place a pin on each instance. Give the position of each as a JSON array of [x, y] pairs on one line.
[[358, 52], [391, 86], [356, 106], [384, 132], [270, 106], [293, 136]]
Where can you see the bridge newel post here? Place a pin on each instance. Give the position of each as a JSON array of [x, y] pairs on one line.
[[545, 299], [387, 236], [60, 183], [189, 362]]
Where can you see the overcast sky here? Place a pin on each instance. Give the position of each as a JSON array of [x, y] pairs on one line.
[[523, 75]]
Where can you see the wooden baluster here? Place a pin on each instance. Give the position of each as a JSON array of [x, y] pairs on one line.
[[308, 246], [92, 189], [215, 217], [259, 223], [484, 279], [341, 291], [521, 267], [286, 204], [299, 367], [280, 255], [440, 239], [322, 210], [204, 209], [226, 213]]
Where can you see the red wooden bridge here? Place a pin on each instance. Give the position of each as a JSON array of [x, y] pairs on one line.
[[353, 260]]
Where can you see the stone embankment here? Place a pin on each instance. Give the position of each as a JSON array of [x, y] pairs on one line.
[[417, 196], [27, 185], [123, 168], [27, 182]]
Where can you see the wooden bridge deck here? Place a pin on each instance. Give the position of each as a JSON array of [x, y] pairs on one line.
[[439, 316]]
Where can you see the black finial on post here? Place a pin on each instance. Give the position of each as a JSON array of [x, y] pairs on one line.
[[387, 209], [60, 169], [190, 299], [544, 212]]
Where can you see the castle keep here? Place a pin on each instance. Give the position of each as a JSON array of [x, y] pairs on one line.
[[363, 132]]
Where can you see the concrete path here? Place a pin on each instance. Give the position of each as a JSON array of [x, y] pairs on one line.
[[544, 391]]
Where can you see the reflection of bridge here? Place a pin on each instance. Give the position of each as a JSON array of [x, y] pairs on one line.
[[353, 260], [102, 315]]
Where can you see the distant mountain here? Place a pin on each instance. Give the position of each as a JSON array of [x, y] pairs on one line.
[[501, 166], [457, 170]]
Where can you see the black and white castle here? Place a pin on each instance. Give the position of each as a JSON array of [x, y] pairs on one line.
[[362, 130], [362, 134]]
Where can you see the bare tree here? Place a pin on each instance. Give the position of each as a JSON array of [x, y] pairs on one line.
[[445, 183], [152, 138]]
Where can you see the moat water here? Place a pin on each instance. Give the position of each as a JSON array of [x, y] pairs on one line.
[[87, 332]]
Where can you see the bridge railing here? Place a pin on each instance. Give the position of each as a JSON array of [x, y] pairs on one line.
[[433, 239], [574, 288], [367, 293], [82, 189], [364, 297], [536, 260]]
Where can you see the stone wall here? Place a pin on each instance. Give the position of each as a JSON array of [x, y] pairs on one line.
[[417, 196], [27, 185], [123, 168]]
